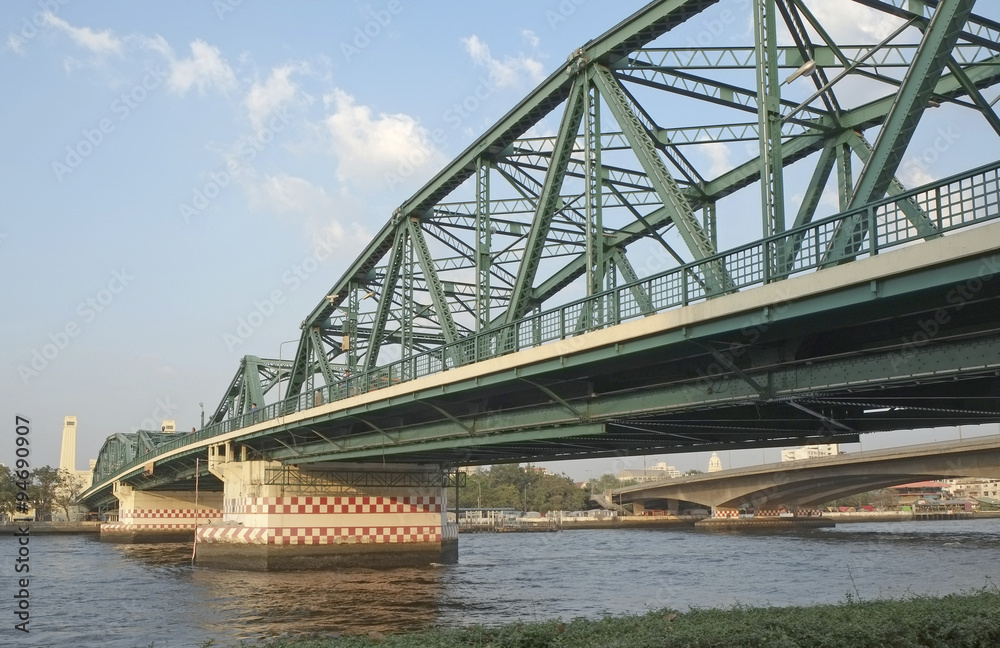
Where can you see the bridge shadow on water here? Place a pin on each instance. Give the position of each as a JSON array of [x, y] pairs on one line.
[[252, 605]]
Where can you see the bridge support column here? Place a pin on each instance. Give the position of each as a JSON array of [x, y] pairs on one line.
[[160, 516], [280, 517], [725, 512]]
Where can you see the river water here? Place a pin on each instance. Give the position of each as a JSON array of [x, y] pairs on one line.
[[86, 593]]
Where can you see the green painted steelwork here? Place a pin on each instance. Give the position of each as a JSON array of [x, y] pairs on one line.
[[494, 253]]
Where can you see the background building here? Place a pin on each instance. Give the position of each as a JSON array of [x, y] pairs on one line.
[[810, 452], [654, 473], [973, 488], [67, 462]]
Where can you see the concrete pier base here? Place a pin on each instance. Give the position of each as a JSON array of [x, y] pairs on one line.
[[278, 517], [160, 516], [763, 523], [282, 557]]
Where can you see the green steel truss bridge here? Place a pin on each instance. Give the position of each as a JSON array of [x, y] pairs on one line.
[[567, 295]]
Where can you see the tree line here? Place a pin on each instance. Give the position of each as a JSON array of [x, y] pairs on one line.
[[45, 491], [526, 488]]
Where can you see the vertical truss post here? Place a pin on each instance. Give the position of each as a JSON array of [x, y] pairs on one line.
[[484, 243], [409, 307], [845, 179], [350, 340], [708, 222], [769, 120], [596, 261]]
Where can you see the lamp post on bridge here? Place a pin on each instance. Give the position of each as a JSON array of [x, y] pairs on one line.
[[202, 406]]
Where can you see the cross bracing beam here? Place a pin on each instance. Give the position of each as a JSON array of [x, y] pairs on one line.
[[790, 57], [641, 28]]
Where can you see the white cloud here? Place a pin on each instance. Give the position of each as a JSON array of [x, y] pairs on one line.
[[14, 43], [157, 44], [719, 157], [100, 43], [377, 147], [507, 73], [852, 23], [530, 37], [205, 69], [321, 214], [264, 99]]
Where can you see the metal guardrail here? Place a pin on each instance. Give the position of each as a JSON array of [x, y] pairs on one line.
[[955, 202]]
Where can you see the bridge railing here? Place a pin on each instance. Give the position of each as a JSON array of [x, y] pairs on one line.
[[964, 200]]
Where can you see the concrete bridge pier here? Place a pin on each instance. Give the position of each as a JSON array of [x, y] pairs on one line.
[[278, 517], [160, 516]]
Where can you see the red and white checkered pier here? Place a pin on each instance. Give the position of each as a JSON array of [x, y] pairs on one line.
[[160, 516], [286, 517]]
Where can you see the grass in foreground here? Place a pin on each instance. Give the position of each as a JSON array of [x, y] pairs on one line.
[[955, 621]]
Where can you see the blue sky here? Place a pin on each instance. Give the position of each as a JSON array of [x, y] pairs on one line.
[[172, 168]]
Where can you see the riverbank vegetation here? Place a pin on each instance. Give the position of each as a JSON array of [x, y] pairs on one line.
[[523, 489], [47, 489], [969, 620]]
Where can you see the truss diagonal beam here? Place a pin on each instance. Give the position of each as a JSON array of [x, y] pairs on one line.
[[433, 281], [520, 302], [385, 303]]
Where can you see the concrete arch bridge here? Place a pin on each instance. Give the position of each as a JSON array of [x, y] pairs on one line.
[[811, 482]]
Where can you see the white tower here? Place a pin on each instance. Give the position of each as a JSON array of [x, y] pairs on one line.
[[714, 463], [67, 458]]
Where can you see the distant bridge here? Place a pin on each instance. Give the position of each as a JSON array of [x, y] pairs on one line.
[[811, 482]]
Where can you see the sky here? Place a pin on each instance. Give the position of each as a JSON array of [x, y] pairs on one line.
[[174, 171]]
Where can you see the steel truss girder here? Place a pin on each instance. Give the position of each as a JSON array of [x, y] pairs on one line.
[[621, 49]]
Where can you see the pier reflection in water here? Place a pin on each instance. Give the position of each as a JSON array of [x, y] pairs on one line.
[[85, 593]]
